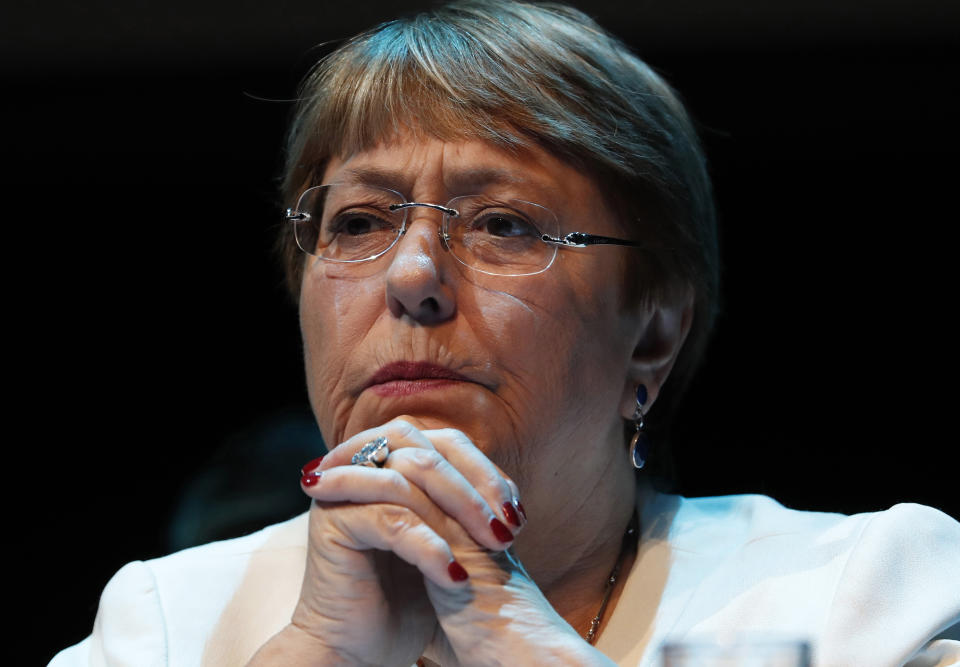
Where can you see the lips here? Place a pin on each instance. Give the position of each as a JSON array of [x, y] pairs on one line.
[[414, 370], [404, 377]]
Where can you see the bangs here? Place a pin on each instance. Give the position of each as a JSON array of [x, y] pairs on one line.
[[473, 79], [402, 81], [396, 81]]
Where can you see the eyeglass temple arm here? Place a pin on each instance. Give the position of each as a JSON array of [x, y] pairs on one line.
[[582, 240]]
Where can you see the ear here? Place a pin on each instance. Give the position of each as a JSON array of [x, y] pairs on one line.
[[663, 330]]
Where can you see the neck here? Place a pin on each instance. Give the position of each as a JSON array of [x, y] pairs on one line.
[[570, 549]]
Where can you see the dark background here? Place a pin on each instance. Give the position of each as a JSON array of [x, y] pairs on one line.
[[150, 339]]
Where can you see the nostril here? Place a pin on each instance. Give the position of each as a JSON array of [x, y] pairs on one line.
[[416, 284]]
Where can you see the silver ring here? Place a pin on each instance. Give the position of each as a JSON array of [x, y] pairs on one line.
[[373, 454]]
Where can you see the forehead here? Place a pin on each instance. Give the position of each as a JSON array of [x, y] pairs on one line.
[[423, 166]]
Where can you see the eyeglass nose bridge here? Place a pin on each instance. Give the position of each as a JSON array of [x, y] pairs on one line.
[[442, 231]]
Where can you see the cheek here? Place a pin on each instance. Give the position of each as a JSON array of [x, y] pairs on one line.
[[335, 316], [333, 312], [543, 341], [569, 336], [563, 364]]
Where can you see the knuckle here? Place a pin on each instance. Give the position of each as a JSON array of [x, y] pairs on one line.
[[424, 460], [402, 425], [454, 435], [397, 482], [493, 483], [395, 521]]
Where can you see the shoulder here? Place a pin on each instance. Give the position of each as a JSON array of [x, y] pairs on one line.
[[164, 611], [906, 532], [885, 581], [901, 581], [129, 627], [219, 563], [748, 524]]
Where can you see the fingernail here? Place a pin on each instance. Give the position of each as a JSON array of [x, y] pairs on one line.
[[501, 532], [456, 571], [511, 513], [311, 478], [522, 511], [310, 465]]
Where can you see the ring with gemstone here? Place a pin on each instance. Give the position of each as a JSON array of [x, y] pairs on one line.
[[373, 454]]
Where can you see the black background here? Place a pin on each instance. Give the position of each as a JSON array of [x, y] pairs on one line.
[[149, 333]]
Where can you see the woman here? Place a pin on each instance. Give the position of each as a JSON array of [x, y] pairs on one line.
[[502, 241]]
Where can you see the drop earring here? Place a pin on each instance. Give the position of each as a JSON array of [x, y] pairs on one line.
[[639, 447]]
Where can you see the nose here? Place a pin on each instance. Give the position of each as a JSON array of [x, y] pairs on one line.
[[416, 279]]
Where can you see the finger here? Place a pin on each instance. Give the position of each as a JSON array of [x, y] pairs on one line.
[[505, 516], [421, 480], [499, 491], [458, 496], [398, 530], [515, 490], [400, 432]]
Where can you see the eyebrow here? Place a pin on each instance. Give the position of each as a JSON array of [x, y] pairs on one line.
[[483, 177], [384, 178]]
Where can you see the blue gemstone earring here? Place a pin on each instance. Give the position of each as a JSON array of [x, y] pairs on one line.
[[639, 447]]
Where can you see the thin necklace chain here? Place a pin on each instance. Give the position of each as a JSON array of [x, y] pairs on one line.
[[626, 545]]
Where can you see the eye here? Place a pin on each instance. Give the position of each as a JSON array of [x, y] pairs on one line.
[[504, 225], [354, 223]]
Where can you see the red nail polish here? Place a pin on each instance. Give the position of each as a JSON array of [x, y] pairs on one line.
[[311, 478], [456, 571], [500, 531], [310, 465], [522, 511], [511, 513]]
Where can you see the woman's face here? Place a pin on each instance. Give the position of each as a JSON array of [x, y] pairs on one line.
[[542, 360]]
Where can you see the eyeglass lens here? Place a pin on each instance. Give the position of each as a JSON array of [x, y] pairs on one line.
[[353, 223]]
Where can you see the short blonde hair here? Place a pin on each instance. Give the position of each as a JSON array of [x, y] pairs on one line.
[[520, 74]]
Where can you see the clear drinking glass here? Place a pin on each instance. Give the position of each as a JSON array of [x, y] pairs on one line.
[[739, 654]]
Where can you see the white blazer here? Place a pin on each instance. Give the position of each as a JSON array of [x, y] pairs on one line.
[[870, 589]]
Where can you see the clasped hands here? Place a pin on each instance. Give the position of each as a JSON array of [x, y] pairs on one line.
[[414, 554]]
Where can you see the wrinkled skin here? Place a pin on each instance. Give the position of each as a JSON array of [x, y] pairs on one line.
[[549, 365]]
